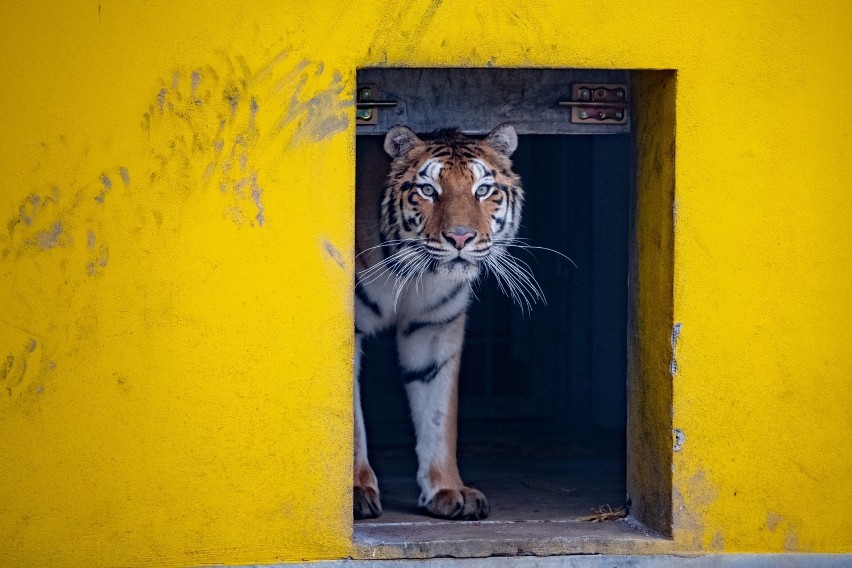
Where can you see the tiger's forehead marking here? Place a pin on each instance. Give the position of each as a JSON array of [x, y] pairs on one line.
[[480, 170], [430, 170]]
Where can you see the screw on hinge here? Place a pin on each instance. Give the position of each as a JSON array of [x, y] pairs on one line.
[[364, 113]]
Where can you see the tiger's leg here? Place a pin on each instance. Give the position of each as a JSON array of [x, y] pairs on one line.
[[430, 357], [365, 487]]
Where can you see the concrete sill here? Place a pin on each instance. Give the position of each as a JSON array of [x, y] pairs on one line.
[[477, 539]]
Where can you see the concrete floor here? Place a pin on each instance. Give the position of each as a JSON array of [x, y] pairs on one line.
[[545, 483]]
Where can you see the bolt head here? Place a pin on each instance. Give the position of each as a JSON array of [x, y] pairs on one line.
[[583, 114]]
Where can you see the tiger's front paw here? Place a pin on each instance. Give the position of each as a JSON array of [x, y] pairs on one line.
[[365, 503], [466, 504]]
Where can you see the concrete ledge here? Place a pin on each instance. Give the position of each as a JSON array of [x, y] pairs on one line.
[[604, 561], [503, 538]]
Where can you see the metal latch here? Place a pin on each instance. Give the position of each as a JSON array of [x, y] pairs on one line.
[[366, 105], [598, 103]]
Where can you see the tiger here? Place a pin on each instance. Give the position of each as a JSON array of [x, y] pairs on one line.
[[449, 209]]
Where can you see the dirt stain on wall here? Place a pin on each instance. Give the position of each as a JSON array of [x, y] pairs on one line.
[[690, 503], [49, 238], [216, 126]]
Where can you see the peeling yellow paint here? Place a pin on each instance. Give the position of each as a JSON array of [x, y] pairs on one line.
[[171, 172]]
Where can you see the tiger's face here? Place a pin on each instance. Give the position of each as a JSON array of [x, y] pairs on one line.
[[452, 203]]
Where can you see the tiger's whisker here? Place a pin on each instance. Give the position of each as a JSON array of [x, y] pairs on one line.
[[391, 242]]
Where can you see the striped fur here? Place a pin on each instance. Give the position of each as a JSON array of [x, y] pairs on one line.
[[447, 210]]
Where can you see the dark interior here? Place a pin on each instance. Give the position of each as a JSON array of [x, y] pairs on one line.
[[542, 394]]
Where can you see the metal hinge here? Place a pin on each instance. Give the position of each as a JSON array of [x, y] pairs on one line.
[[366, 105], [598, 103]]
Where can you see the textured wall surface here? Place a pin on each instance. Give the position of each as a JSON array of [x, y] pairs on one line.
[[176, 195]]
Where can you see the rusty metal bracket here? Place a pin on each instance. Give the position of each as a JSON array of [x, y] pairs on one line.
[[366, 105], [598, 103]]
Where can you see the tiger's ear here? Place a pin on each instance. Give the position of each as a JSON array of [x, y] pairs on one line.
[[504, 139], [400, 140]]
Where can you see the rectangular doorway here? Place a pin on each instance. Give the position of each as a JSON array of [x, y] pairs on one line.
[[542, 394]]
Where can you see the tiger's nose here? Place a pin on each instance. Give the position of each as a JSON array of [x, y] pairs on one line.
[[459, 236]]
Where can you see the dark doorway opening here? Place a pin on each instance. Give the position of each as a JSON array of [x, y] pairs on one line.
[[541, 394]]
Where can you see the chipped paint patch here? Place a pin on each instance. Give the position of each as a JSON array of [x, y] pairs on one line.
[[692, 501], [96, 265], [161, 100], [717, 543], [48, 239], [332, 251], [678, 439], [676, 329], [318, 116], [44, 221], [31, 208], [107, 186], [773, 520], [777, 523], [791, 540], [256, 194]]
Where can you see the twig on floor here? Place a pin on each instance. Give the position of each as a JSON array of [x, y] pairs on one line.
[[605, 513]]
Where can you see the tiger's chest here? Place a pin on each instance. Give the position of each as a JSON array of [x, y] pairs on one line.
[[432, 301]]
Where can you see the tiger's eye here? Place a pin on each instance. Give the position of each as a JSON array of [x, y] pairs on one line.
[[427, 190], [482, 191]]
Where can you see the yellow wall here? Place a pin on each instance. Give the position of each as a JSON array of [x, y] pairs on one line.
[[178, 374]]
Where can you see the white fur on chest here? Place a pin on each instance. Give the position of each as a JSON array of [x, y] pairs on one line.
[[380, 303]]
